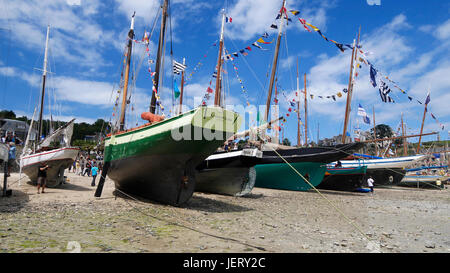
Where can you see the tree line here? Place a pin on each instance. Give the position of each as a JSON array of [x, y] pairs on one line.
[[80, 130]]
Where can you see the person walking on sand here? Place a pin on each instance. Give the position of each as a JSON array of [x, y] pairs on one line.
[[94, 172], [11, 156], [370, 182], [77, 166], [42, 177]]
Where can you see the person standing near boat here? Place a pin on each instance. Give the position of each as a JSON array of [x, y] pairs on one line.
[[94, 172], [370, 182], [42, 176], [11, 156]]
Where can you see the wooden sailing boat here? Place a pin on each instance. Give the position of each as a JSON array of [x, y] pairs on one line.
[[58, 159], [229, 172], [273, 172], [158, 160]]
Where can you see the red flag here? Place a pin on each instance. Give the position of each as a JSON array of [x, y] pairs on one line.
[[209, 90]]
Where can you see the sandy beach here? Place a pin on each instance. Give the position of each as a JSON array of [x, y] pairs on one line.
[[71, 219]]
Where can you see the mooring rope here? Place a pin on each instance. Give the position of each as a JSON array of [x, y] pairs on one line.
[[184, 226], [324, 197]]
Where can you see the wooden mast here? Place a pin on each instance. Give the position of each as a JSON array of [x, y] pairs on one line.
[[374, 130], [277, 131], [219, 63], [158, 57], [306, 115], [349, 96], [421, 127], [350, 87], [405, 151], [299, 143], [44, 75], [182, 87], [275, 61], [127, 75]]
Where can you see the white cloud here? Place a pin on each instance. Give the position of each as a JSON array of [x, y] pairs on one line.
[[443, 31]]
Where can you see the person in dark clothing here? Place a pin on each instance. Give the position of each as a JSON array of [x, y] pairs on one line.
[[42, 177]]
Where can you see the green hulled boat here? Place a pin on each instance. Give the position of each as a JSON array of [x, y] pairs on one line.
[[158, 161], [343, 178], [282, 176]]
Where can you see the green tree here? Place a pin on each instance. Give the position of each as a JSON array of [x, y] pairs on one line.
[[383, 131]]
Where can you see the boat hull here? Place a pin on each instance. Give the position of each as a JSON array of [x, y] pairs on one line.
[[58, 160], [281, 176], [347, 179], [385, 171], [424, 181], [233, 181], [153, 162], [228, 173]]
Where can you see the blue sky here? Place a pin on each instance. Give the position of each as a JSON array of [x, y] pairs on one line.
[[406, 40]]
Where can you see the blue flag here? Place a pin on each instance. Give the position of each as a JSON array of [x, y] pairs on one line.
[[373, 73], [176, 91]]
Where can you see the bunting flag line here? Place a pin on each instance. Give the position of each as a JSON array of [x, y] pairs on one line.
[[374, 72], [342, 47]]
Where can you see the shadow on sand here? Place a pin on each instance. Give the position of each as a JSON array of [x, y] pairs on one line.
[[65, 186], [14, 203], [195, 203]]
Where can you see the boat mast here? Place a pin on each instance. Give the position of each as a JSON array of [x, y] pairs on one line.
[[374, 130], [219, 63], [182, 86], [306, 115], [44, 75], [421, 128], [158, 57], [127, 75], [350, 87], [298, 111], [277, 132], [405, 152], [275, 61]]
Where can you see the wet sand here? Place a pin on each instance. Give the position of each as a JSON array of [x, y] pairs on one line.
[[70, 218]]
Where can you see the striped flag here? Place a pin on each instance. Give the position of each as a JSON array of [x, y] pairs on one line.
[[362, 113], [178, 67], [384, 92]]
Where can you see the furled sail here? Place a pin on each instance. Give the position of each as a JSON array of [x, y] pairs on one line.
[[65, 132]]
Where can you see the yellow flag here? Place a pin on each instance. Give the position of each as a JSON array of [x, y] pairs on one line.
[[313, 27]]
